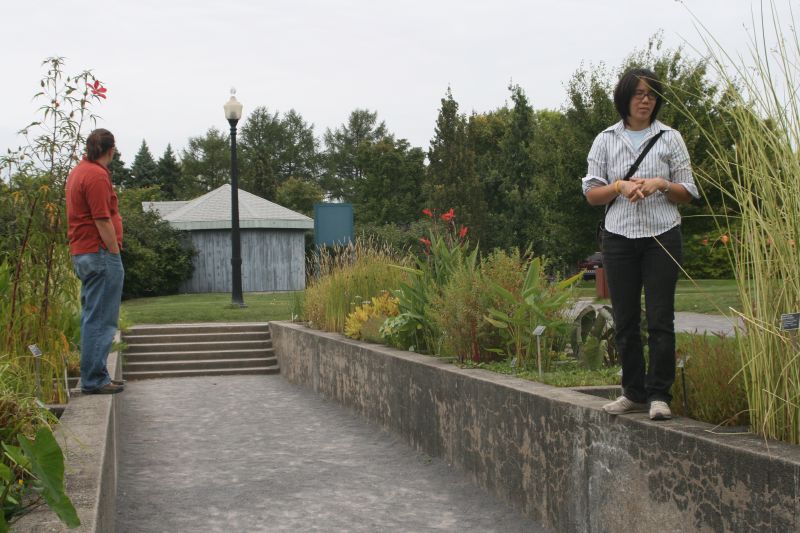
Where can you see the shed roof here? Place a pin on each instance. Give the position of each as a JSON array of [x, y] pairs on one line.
[[213, 211]]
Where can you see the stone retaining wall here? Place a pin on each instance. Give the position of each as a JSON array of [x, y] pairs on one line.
[[87, 434], [553, 453]]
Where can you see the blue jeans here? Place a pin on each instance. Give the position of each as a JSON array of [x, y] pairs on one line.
[[633, 264], [101, 276]]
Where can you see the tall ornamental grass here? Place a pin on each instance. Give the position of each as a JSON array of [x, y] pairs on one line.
[[343, 277], [760, 178]]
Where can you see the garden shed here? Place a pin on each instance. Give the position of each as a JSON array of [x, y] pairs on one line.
[[272, 237]]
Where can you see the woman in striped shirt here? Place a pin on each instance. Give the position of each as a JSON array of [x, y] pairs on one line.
[[642, 245]]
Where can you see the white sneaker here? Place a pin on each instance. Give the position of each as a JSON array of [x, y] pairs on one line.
[[622, 405], [659, 410]]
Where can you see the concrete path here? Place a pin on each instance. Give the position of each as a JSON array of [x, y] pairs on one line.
[[256, 454], [700, 323]]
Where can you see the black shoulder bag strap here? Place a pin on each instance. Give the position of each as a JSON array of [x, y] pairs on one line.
[[628, 176]]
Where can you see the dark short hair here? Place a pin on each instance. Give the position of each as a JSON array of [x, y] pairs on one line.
[[99, 142], [626, 87]]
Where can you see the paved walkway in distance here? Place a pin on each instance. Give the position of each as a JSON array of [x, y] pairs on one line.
[[700, 323], [256, 454]]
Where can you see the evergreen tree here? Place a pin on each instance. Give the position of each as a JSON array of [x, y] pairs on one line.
[[119, 174], [342, 170], [520, 216], [144, 171], [169, 174], [452, 180]]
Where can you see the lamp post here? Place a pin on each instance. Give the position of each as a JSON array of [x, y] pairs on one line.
[[233, 112]]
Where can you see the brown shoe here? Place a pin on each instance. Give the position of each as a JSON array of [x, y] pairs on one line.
[[108, 388]]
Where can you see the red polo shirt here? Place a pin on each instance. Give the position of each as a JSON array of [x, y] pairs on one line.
[[90, 196]]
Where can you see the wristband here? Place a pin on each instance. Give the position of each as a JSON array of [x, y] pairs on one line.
[[616, 187]]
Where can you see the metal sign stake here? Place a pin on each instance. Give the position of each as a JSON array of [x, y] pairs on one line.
[[538, 334]]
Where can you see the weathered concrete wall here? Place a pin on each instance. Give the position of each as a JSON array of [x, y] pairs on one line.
[[553, 453], [88, 436]]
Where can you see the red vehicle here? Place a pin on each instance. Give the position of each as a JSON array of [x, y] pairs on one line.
[[590, 264]]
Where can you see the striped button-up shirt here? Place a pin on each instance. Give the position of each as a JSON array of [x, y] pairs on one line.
[[611, 157]]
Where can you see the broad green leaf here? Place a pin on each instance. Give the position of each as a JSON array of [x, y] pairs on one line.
[[47, 464], [15, 454], [569, 281], [499, 314], [6, 473], [532, 277], [496, 323], [503, 293]]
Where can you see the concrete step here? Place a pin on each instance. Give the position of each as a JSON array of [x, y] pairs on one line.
[[199, 346], [206, 364], [132, 376], [132, 340], [169, 329], [131, 357]]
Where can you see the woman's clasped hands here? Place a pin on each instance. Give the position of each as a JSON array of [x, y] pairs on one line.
[[639, 188]]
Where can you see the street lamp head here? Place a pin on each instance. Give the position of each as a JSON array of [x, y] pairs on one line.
[[233, 109]]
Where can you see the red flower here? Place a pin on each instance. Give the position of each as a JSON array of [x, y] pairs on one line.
[[463, 232], [425, 241], [447, 217], [724, 239], [97, 89], [428, 212]]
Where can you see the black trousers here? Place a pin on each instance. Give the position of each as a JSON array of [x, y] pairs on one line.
[[649, 263]]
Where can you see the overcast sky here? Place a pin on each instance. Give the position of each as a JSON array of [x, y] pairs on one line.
[[169, 64]]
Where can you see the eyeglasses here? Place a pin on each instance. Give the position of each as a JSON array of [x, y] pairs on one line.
[[641, 95]]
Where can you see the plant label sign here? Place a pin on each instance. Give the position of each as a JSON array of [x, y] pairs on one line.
[[35, 350], [538, 331], [790, 321]]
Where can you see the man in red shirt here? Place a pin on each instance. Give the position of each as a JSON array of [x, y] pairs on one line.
[[95, 240]]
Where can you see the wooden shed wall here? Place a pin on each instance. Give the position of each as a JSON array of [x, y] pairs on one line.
[[272, 260]]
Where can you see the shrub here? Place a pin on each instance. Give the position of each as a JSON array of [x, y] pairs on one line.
[[714, 384], [465, 300], [157, 258], [706, 256]]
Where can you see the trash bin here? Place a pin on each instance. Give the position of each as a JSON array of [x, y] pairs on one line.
[[601, 285]]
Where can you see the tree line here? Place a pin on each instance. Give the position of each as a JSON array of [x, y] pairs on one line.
[[512, 174]]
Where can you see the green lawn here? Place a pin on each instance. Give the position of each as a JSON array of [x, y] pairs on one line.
[[711, 296], [261, 307]]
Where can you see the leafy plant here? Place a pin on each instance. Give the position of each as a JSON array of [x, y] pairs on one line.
[[446, 251], [40, 465], [593, 337], [540, 303], [366, 320]]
